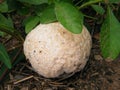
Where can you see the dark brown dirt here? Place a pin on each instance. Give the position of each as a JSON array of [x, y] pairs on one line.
[[97, 75]]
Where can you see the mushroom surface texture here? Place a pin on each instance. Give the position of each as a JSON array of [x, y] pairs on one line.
[[54, 51]]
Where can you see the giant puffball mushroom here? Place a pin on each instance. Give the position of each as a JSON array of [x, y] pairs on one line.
[[53, 51]]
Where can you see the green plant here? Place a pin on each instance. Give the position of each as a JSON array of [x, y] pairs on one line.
[[70, 13]]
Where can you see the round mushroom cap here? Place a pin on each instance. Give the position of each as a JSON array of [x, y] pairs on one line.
[[52, 50]]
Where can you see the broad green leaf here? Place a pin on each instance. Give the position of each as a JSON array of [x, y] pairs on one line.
[[3, 6], [110, 35], [2, 34], [23, 11], [52, 1], [4, 70], [98, 9], [69, 1], [48, 15], [4, 56], [40, 8], [31, 23], [6, 21], [10, 22], [69, 17], [8, 6], [13, 5], [35, 2]]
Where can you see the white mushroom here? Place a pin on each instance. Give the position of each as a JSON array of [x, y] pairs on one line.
[[52, 50]]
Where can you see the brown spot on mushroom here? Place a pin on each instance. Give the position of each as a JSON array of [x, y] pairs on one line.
[[34, 51], [40, 51], [63, 32]]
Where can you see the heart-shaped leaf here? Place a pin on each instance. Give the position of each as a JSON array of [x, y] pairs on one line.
[[69, 17], [30, 23], [6, 21], [48, 15], [110, 35], [3, 6]]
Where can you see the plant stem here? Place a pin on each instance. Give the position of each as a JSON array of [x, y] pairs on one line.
[[78, 2], [90, 17], [89, 3], [14, 47]]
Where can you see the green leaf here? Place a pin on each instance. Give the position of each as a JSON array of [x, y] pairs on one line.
[[4, 70], [30, 23], [35, 2], [23, 11], [48, 15], [2, 34], [110, 35], [10, 22], [6, 21], [3, 7], [98, 9], [13, 5], [40, 8], [69, 17], [8, 6], [90, 2], [4, 56], [114, 1], [69, 1]]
